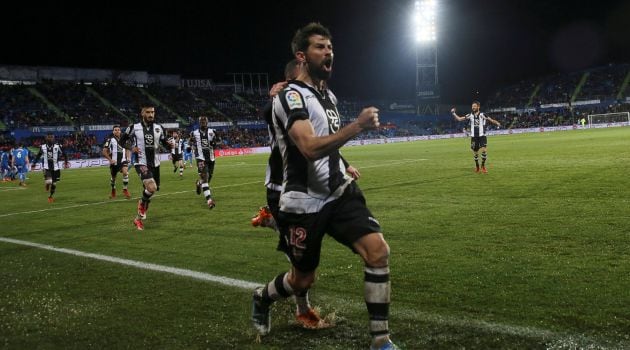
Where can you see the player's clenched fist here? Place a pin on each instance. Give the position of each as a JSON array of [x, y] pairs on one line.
[[368, 119]]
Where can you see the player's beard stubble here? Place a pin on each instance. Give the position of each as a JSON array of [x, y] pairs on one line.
[[318, 71]]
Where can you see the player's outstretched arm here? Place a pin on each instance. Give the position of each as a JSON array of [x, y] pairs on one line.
[[494, 121], [459, 119]]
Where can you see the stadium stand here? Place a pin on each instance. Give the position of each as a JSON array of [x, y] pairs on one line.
[[70, 107]]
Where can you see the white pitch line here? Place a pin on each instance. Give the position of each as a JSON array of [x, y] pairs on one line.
[[404, 161], [11, 189], [116, 200], [141, 265], [553, 340]]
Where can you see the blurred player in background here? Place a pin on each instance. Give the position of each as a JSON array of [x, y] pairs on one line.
[[51, 153], [20, 162], [188, 156], [203, 140], [118, 158], [5, 164], [177, 153]]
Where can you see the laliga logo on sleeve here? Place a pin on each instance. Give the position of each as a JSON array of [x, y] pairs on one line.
[[294, 101]]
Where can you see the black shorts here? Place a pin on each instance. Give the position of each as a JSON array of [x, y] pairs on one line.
[[115, 169], [147, 172], [176, 157], [477, 142], [55, 175], [205, 167], [346, 219]]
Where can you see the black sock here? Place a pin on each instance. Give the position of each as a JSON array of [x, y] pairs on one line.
[[146, 198]]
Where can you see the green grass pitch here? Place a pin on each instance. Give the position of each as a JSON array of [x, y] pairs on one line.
[[533, 255]]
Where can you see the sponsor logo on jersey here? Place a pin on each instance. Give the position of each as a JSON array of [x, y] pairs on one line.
[[294, 101], [333, 120]]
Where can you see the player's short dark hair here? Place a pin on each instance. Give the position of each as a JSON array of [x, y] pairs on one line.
[[300, 39], [290, 68], [145, 104], [115, 126], [476, 103]]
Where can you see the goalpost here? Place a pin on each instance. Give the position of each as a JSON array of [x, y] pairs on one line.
[[608, 118]]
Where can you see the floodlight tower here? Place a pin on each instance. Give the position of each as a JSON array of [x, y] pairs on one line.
[[427, 89]]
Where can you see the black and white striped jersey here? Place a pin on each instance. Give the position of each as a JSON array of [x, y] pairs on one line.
[[273, 174], [179, 147], [116, 150], [477, 124], [308, 186], [52, 155], [148, 139], [201, 142]]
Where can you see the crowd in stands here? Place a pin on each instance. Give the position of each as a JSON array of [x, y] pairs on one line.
[[242, 138], [19, 108], [556, 117], [72, 104], [76, 145], [603, 83]]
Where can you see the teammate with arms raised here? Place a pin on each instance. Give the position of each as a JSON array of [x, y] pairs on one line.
[[118, 158], [478, 140], [317, 196]]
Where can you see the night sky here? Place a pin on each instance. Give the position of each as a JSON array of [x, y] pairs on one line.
[[482, 45]]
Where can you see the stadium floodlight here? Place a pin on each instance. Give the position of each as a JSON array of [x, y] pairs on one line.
[[424, 20], [427, 87]]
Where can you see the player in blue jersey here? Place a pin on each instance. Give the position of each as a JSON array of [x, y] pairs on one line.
[[188, 156], [20, 162], [5, 164]]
